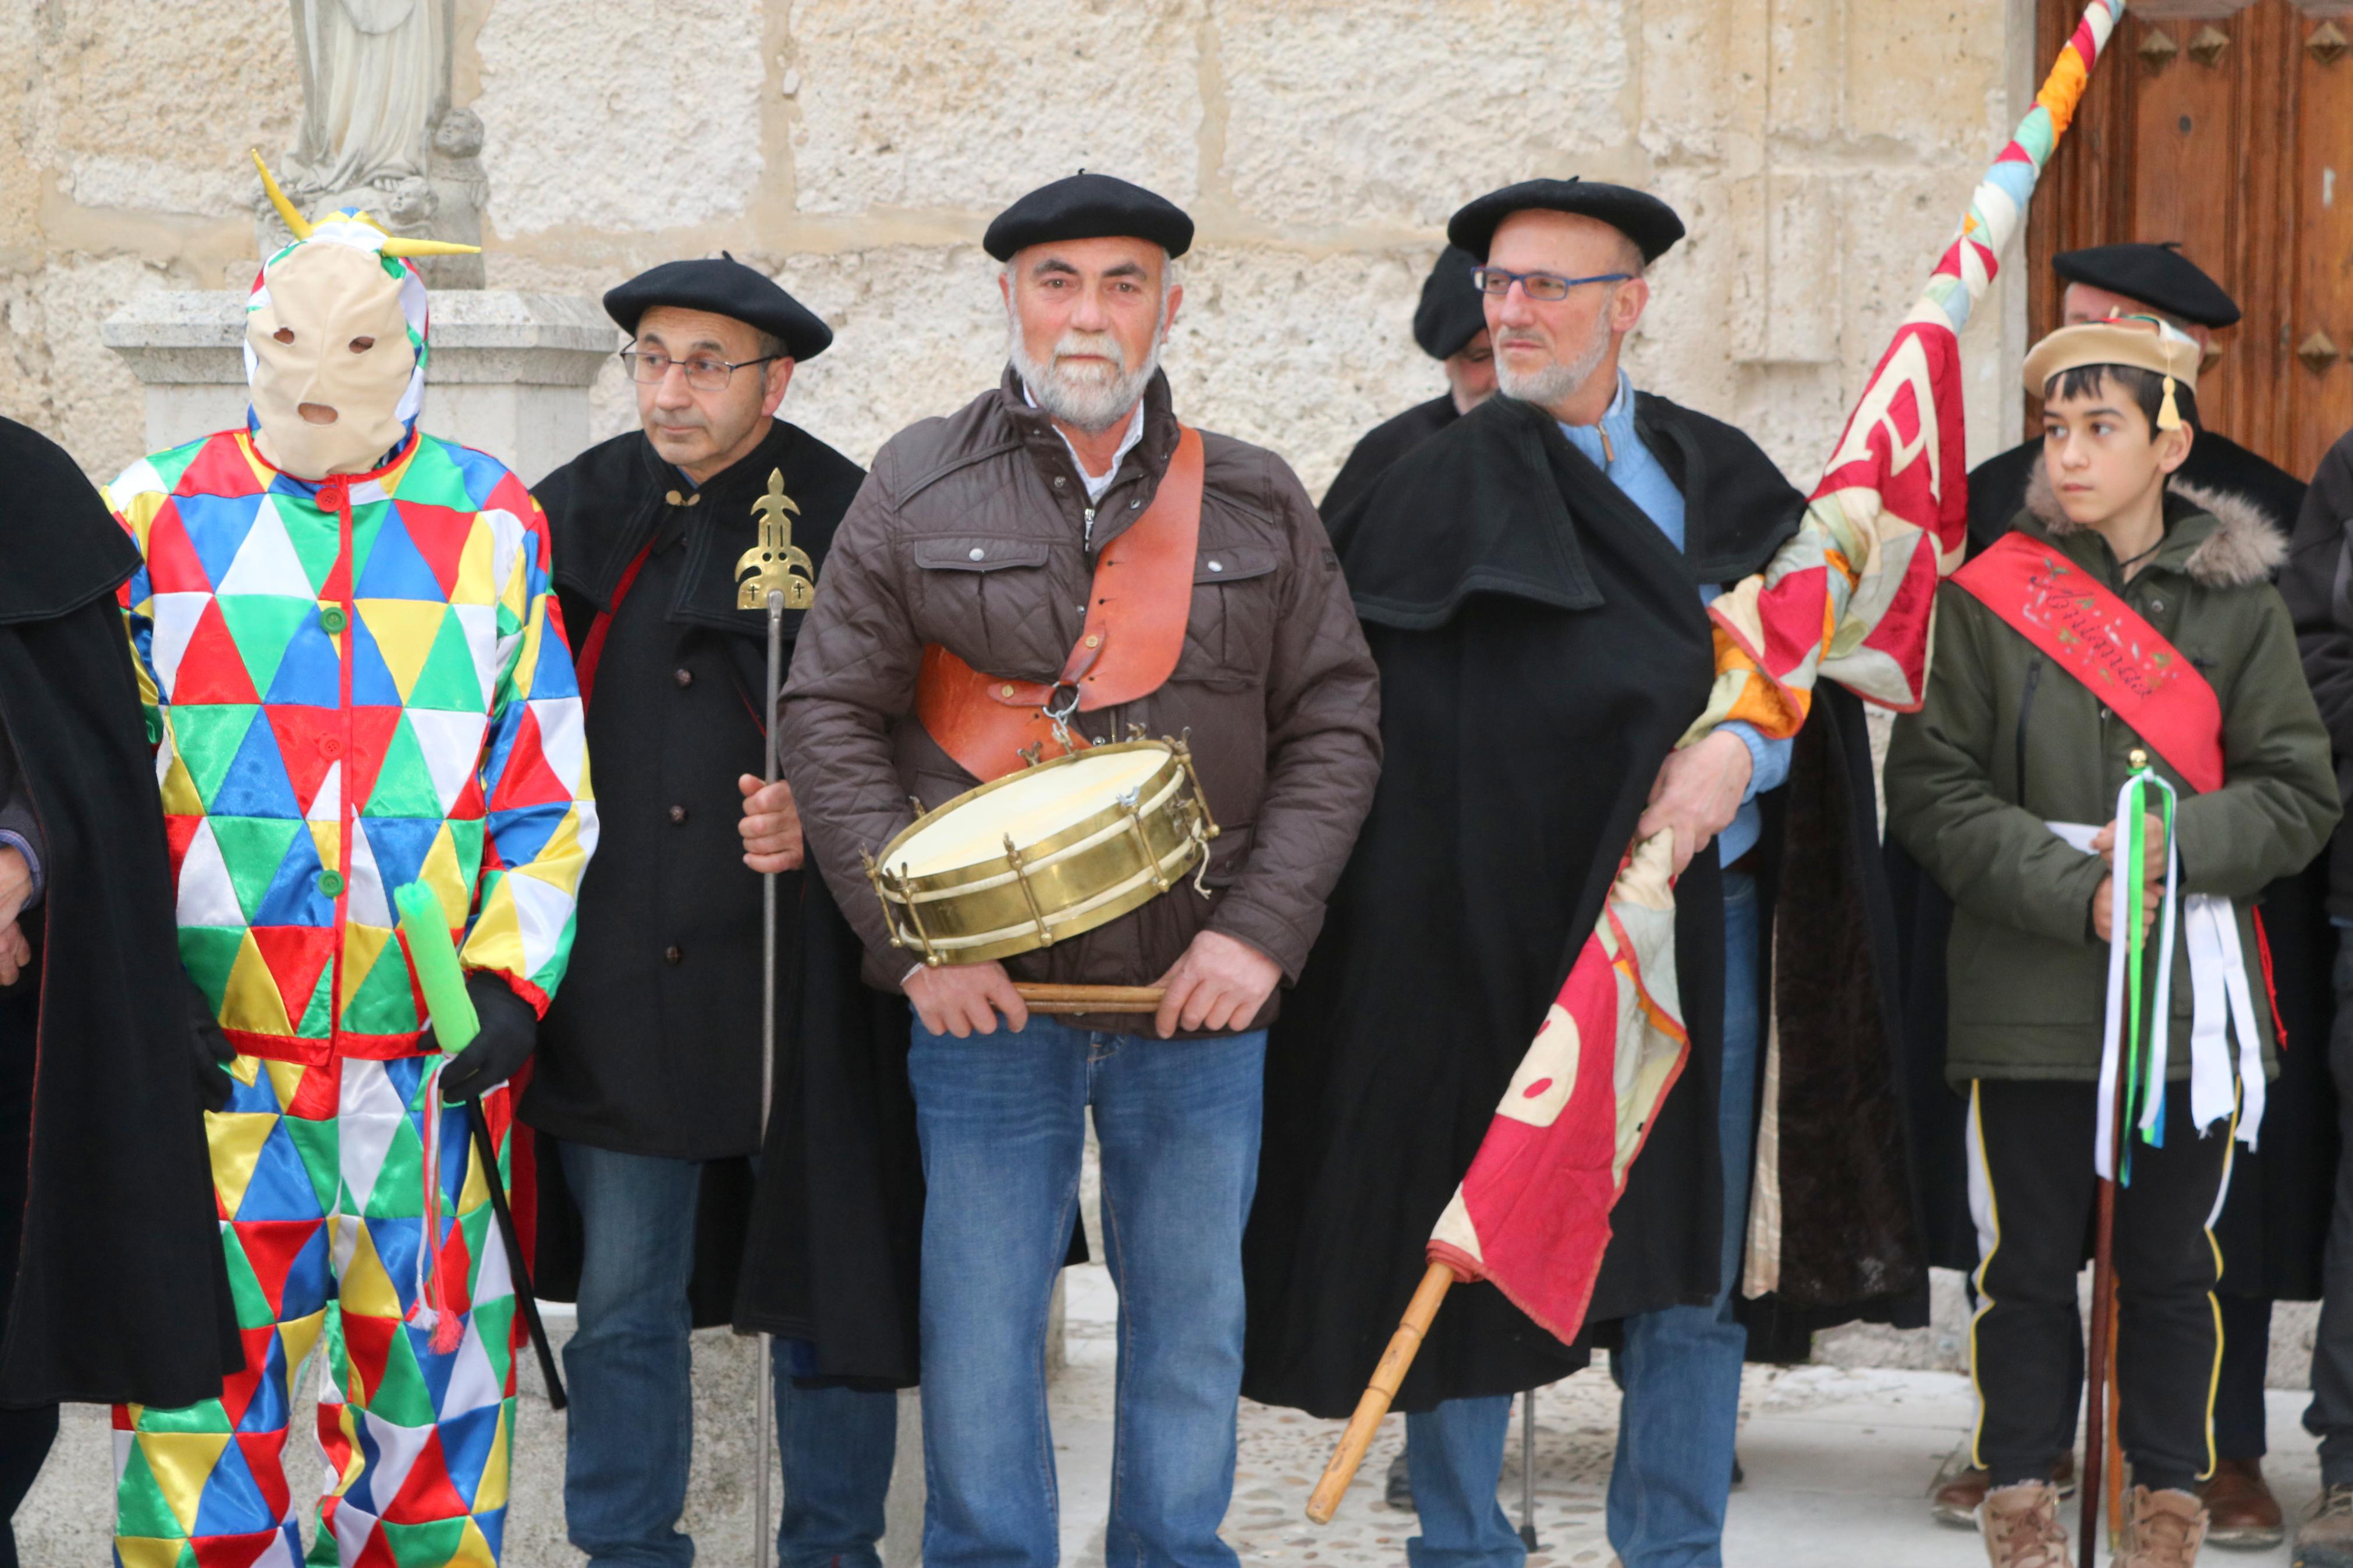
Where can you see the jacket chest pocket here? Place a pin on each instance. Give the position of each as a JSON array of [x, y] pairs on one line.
[[990, 603], [1230, 628]]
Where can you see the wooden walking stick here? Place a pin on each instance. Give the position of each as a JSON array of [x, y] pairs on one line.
[[2127, 936], [1386, 1376], [2096, 1364]]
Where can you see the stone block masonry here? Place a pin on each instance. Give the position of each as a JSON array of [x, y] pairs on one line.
[[1821, 150]]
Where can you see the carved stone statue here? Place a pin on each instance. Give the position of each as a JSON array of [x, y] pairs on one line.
[[378, 131]]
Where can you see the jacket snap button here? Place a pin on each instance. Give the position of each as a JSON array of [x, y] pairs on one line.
[[331, 883], [678, 814], [1217, 566], [977, 553], [330, 746], [1059, 483], [331, 619], [673, 954], [1004, 692], [685, 678], [1135, 506], [1095, 641]]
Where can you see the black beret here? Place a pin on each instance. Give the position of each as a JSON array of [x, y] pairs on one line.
[[1451, 311], [1641, 216], [724, 287], [1089, 206], [2155, 274]]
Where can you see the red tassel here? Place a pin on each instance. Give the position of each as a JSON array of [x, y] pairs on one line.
[[2271, 990]]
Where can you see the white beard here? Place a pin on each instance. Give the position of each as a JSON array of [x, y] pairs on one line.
[[1083, 397], [1553, 383]]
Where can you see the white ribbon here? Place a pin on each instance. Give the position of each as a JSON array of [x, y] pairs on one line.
[[2220, 994]]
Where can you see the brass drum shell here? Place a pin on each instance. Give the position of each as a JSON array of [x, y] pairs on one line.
[[1085, 876]]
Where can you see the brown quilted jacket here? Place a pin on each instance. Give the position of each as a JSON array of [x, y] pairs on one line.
[[1274, 683]]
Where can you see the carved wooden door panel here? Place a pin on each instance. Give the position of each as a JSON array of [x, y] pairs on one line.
[[2226, 125]]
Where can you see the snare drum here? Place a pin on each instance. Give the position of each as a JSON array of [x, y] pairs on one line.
[[1044, 854]]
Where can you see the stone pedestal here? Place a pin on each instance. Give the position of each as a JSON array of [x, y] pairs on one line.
[[510, 372]]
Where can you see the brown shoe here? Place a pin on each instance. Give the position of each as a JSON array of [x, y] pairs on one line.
[[2162, 1529], [1959, 1486], [2021, 1528], [2325, 1539], [2241, 1512]]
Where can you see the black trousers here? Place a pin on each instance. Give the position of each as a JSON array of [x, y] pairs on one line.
[[2329, 1416], [2034, 1196], [2239, 1415], [24, 1435]]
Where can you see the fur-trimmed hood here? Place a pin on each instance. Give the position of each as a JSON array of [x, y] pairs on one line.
[[2245, 547]]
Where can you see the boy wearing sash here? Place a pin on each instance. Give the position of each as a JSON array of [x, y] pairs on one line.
[[2124, 615]]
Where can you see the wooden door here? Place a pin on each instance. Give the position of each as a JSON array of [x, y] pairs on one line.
[[2226, 125]]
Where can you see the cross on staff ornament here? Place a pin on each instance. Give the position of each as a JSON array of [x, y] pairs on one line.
[[774, 565]]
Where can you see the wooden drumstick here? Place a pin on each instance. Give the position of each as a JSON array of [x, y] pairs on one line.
[[1051, 999], [1387, 1377]]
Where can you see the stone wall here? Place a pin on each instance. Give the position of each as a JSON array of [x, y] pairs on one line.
[[1820, 151]]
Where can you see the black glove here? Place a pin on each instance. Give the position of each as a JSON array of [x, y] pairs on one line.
[[510, 1029], [213, 1053]]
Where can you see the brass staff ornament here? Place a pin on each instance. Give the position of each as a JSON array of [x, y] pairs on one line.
[[774, 565]]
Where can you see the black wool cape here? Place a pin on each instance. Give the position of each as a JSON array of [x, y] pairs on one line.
[[122, 1292], [822, 1242], [1381, 446], [1542, 647]]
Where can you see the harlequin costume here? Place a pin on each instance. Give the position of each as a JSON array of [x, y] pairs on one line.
[[356, 681]]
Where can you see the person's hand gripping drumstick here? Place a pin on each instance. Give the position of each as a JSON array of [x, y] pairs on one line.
[[963, 999], [1219, 983]]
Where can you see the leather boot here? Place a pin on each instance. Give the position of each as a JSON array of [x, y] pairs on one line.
[[1959, 1486], [2325, 1538], [2022, 1529], [2162, 1529], [2241, 1512]]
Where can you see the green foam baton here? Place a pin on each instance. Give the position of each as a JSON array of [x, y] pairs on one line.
[[433, 957]]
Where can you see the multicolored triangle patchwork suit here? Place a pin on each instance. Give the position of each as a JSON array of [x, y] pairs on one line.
[[353, 685]]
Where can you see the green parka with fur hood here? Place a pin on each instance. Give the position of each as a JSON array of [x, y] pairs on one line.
[[2007, 742]]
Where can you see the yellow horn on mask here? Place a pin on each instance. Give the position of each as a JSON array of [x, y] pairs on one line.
[[294, 220], [396, 245]]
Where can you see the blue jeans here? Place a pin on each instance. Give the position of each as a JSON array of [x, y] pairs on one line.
[[630, 1369], [1455, 1458], [1679, 1368], [1002, 1120]]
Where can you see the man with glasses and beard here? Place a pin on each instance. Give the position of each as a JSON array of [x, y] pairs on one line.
[[977, 539], [1531, 580], [646, 1090]]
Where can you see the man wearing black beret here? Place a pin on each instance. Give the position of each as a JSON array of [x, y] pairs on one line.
[[2271, 1228], [1532, 580], [1450, 325], [2138, 280], [645, 1093], [973, 560]]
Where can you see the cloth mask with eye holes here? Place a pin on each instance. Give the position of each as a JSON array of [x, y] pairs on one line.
[[336, 335]]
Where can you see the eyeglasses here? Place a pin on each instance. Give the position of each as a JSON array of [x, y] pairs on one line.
[[702, 372], [1545, 286]]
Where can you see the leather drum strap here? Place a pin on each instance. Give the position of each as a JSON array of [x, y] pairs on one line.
[[1134, 631]]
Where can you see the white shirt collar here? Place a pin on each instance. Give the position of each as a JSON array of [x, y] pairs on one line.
[[1095, 487]]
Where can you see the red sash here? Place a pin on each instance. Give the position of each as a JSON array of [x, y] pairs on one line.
[[1133, 634], [2103, 643]]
